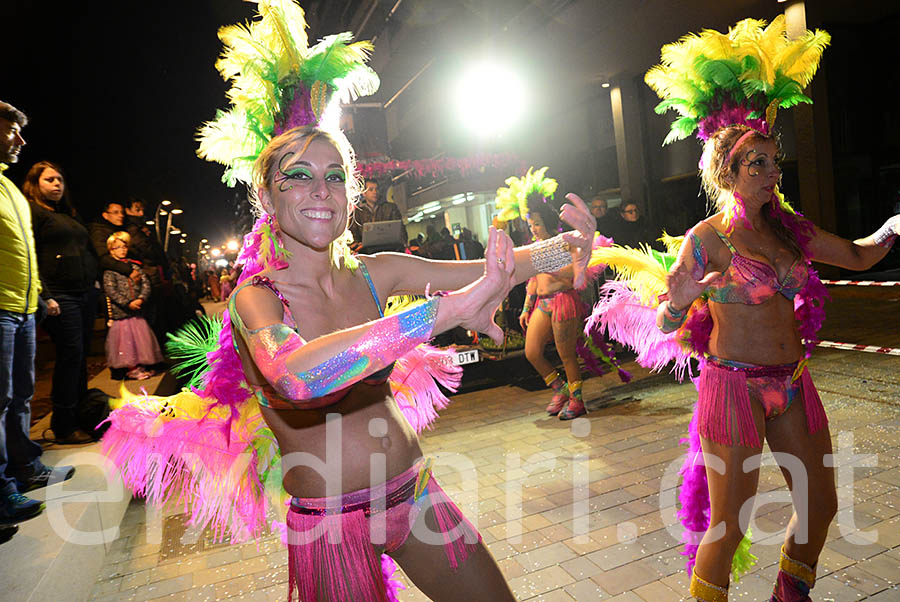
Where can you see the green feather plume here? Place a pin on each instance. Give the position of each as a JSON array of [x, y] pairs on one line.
[[189, 346], [743, 559]]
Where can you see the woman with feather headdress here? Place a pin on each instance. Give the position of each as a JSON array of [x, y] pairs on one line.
[[741, 295], [308, 374], [553, 307]]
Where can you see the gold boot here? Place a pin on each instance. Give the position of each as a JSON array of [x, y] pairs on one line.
[[704, 591], [794, 580]]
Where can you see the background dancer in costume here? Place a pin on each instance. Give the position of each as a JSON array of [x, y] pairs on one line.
[[304, 343], [553, 309], [739, 286]]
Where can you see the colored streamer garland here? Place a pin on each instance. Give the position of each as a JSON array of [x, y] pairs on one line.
[[464, 166]]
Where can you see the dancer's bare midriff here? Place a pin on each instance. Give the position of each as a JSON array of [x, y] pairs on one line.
[[340, 442]]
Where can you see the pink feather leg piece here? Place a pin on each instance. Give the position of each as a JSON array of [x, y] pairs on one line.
[[414, 383], [624, 318], [191, 461]]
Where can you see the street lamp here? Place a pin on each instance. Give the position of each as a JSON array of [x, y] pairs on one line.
[[160, 211], [232, 245], [173, 211]]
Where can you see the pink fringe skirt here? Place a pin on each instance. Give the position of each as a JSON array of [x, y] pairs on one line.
[[130, 343], [723, 410], [334, 543], [562, 305]]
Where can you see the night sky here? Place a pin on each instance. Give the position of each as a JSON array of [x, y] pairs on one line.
[[114, 93]]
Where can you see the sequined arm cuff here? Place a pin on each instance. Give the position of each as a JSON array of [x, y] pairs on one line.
[[550, 255], [385, 341], [529, 303], [672, 319], [887, 234]]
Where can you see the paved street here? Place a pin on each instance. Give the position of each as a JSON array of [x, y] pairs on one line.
[[605, 536]]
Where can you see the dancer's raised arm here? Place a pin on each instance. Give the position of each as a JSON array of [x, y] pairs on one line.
[[299, 369], [409, 274]]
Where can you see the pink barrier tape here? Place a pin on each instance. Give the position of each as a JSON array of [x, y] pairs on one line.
[[862, 282], [854, 347]]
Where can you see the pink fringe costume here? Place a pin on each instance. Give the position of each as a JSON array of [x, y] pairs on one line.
[[562, 305], [725, 387], [353, 529]]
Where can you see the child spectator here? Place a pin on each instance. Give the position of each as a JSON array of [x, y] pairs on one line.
[[227, 283], [130, 343]]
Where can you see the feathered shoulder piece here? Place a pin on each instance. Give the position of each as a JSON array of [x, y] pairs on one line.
[[278, 82], [714, 79], [512, 201]]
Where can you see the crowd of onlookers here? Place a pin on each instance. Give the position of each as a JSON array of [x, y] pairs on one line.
[[626, 226], [60, 272]]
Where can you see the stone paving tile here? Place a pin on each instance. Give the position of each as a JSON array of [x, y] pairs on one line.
[[625, 551]]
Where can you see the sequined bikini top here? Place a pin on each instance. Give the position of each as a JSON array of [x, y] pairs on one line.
[[265, 394], [751, 281]]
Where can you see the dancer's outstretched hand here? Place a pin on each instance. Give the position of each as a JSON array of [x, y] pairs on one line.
[[683, 287], [576, 214], [474, 306]]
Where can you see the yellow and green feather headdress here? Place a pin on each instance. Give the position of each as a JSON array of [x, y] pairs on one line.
[[278, 82], [714, 79], [512, 201]]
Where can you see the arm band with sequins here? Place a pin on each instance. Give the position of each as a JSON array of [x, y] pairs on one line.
[[529, 303], [385, 341], [886, 234], [672, 318], [551, 255]]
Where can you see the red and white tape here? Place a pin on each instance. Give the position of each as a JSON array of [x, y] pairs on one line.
[[853, 347], [862, 282]]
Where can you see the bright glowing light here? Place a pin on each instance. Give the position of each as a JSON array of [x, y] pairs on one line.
[[203, 240], [150, 222], [182, 241], [177, 211], [216, 252], [222, 263], [205, 246], [175, 231], [232, 245], [166, 203], [163, 212], [604, 85], [490, 98]]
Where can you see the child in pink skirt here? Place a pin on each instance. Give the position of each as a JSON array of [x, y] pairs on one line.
[[130, 343]]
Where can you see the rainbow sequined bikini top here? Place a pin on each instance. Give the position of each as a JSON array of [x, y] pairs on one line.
[[751, 281], [267, 396]]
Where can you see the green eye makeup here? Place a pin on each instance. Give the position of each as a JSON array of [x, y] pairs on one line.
[[336, 173]]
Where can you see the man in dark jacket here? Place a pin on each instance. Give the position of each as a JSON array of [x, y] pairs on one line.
[[111, 220], [371, 209], [146, 249], [144, 246], [607, 221]]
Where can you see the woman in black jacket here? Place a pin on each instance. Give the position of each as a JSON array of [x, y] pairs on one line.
[[67, 264]]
